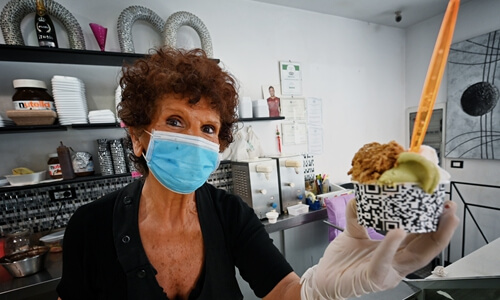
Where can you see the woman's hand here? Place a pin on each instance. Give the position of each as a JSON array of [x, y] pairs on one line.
[[354, 265]]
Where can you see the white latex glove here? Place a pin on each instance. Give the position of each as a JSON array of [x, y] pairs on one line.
[[353, 265]]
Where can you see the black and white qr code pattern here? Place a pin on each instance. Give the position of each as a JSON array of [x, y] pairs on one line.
[[404, 206]]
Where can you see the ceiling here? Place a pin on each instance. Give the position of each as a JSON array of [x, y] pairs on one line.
[[373, 11]]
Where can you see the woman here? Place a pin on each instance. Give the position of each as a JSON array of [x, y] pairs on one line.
[[170, 235]]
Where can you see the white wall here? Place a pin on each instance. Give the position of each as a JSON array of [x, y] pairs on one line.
[[355, 67], [474, 18]]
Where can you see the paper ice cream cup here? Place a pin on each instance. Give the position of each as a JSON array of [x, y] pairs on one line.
[[403, 205], [272, 216]]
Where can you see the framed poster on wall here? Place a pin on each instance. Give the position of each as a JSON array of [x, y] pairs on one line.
[[291, 78], [435, 135], [293, 109]]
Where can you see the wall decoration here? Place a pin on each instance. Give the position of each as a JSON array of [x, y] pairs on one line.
[[473, 116], [271, 93], [291, 78], [100, 33], [184, 18], [127, 18], [15, 11]]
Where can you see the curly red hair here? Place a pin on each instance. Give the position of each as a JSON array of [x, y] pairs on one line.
[[186, 73]]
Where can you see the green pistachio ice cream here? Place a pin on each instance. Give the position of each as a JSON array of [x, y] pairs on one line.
[[412, 167], [396, 188], [389, 164]]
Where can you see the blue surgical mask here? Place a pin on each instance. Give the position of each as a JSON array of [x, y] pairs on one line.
[[180, 162]]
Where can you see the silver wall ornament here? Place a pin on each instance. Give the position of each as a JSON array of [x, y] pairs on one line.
[[183, 18], [127, 18], [15, 11]]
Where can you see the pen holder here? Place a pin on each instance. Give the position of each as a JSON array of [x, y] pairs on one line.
[[313, 205]]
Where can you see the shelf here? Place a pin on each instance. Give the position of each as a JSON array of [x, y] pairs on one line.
[[61, 182], [287, 221], [34, 128], [65, 56], [57, 127], [96, 126], [260, 119]]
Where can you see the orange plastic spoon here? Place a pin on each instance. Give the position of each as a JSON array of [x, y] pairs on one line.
[[434, 75]]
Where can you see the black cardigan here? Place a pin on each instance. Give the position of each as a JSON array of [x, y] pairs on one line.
[[103, 257]]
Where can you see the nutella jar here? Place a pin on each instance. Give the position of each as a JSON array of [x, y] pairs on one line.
[[32, 95], [55, 171]]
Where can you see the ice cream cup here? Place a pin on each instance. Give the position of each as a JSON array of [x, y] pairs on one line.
[[272, 216], [403, 205]]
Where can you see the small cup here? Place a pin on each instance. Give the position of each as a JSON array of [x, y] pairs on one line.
[[403, 205], [272, 216]]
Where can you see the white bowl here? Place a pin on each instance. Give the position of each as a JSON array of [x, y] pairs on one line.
[[54, 240], [33, 178]]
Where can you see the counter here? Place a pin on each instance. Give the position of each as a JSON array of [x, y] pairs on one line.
[[47, 279], [482, 262], [477, 288], [287, 221], [475, 276], [42, 282]]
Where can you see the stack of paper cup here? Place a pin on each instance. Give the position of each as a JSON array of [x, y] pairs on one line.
[[245, 108], [260, 108]]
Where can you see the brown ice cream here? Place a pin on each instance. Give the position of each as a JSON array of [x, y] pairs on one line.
[[374, 159]]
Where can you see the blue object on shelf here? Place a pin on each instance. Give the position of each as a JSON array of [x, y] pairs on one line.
[[313, 205]]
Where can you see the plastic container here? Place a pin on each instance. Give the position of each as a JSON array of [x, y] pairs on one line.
[[32, 94], [54, 241], [272, 216], [298, 209], [33, 178]]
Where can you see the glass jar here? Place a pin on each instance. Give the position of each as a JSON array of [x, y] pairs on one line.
[[32, 94], [16, 241], [54, 167]]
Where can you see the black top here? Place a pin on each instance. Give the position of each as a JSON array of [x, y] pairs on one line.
[[103, 257]]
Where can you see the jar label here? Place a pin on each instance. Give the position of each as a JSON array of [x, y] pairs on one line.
[[34, 105], [55, 170]]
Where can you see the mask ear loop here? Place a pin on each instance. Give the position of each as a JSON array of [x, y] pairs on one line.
[[150, 140]]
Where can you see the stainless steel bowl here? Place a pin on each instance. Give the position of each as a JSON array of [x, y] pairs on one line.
[[24, 263]]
